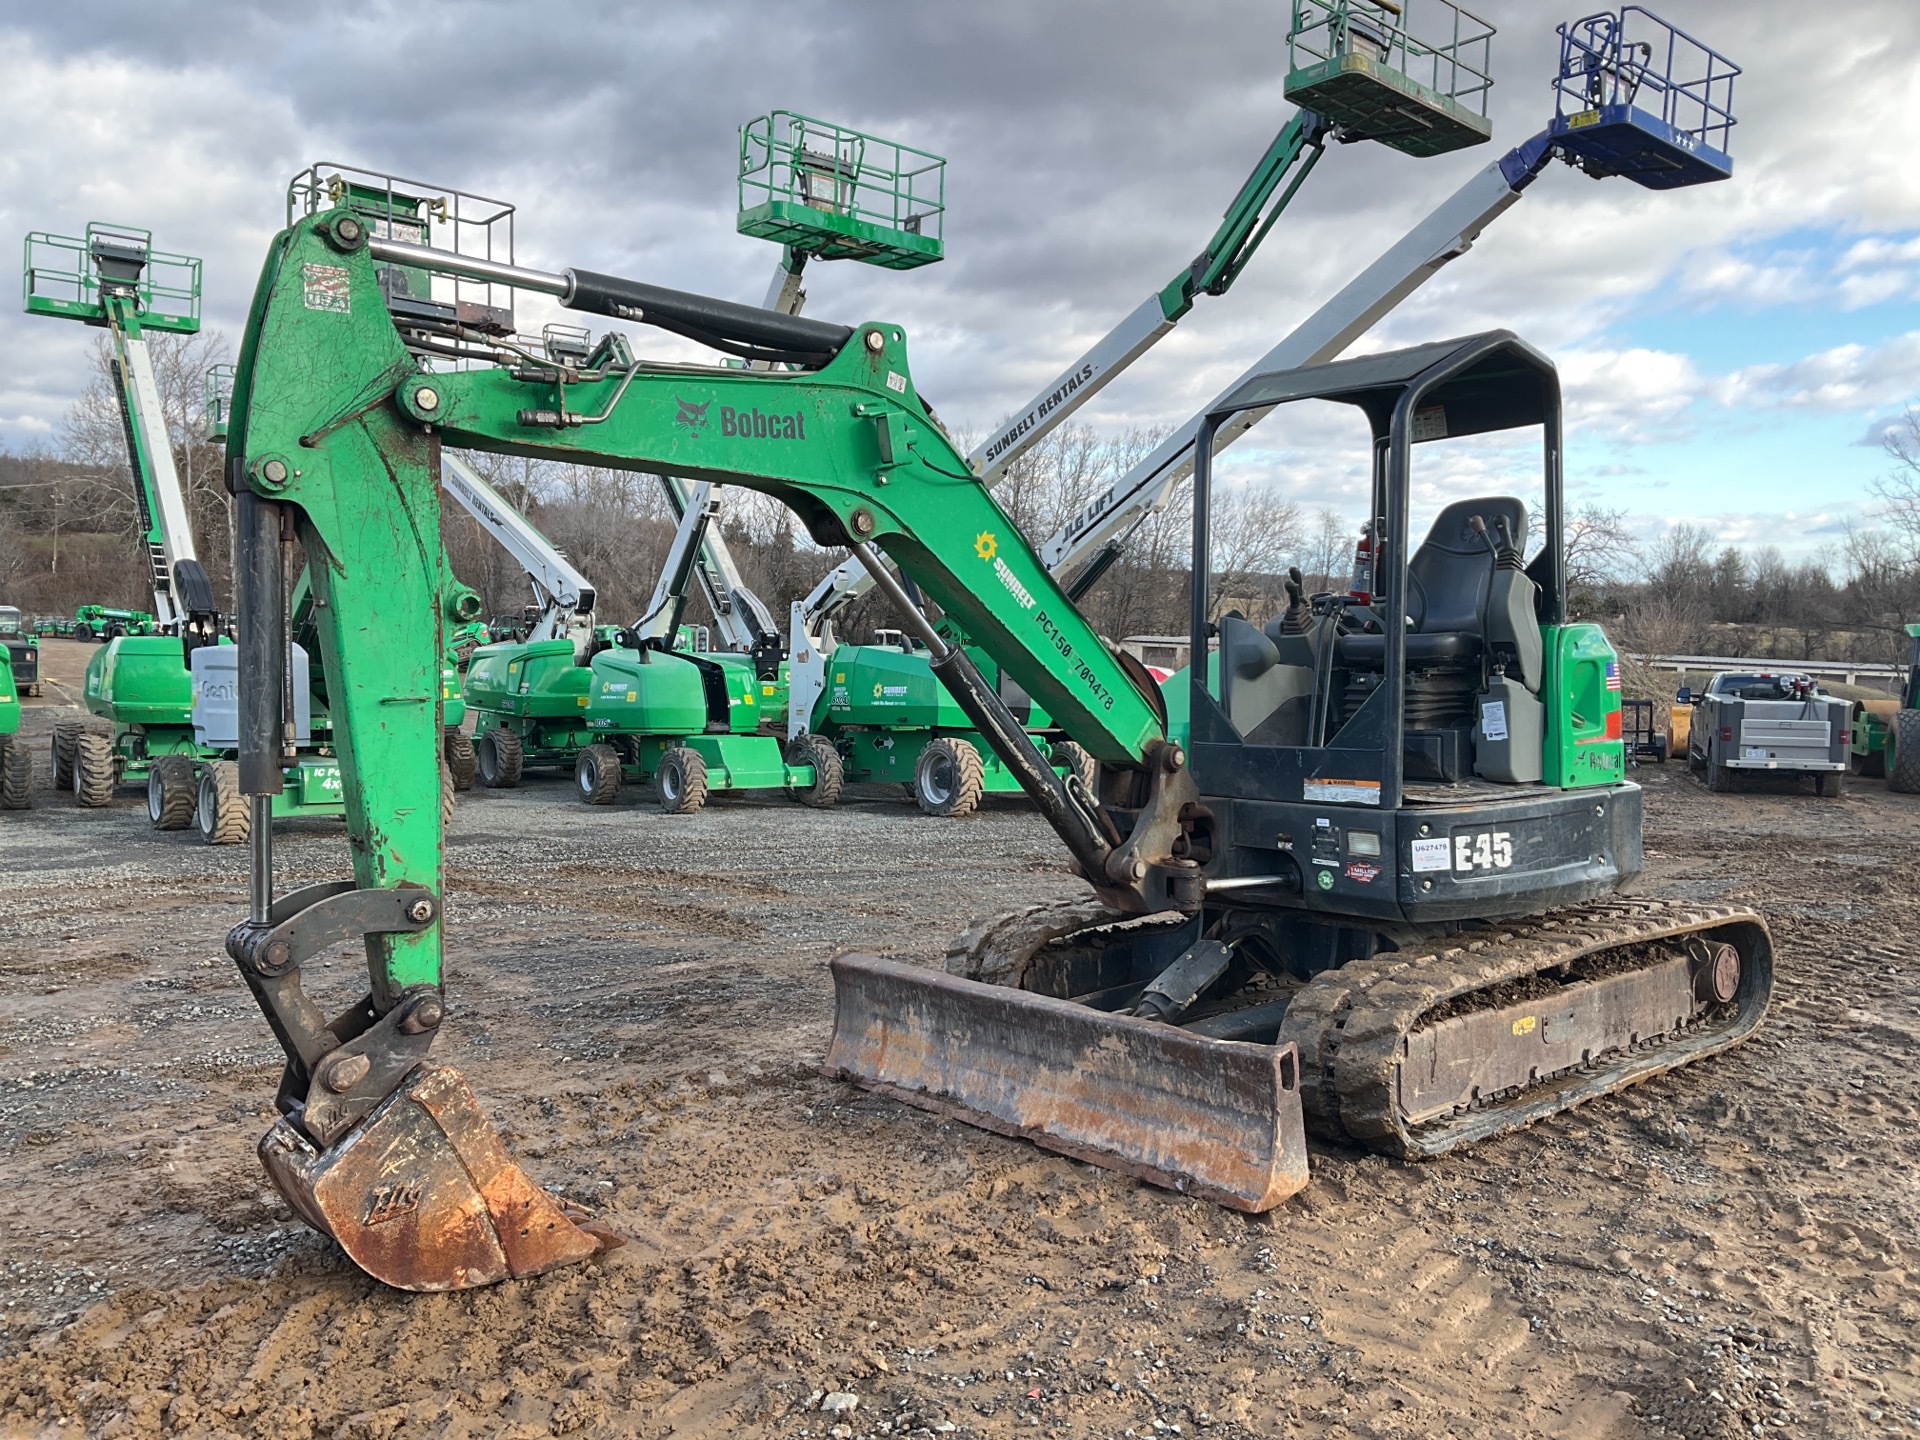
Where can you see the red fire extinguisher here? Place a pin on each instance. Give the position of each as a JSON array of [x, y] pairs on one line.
[[1361, 587]]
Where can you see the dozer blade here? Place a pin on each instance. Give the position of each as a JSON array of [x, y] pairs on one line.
[[422, 1194], [1217, 1119]]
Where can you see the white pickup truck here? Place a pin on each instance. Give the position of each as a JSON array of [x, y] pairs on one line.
[[1768, 720]]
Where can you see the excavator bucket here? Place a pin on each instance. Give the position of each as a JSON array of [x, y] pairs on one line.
[[423, 1196], [1218, 1119]]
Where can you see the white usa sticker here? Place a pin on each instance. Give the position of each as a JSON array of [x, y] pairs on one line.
[[1489, 850], [1430, 855], [327, 287]]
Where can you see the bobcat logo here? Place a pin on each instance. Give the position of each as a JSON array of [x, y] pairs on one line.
[[694, 417]]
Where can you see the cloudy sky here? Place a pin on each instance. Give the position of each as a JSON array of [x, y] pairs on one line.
[[1731, 352]]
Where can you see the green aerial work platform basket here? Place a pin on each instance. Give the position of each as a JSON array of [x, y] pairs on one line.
[[68, 277], [1359, 64], [836, 194], [216, 403]]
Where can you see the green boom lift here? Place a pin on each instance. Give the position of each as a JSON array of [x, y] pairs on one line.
[[112, 277], [149, 679], [1326, 908], [1359, 73], [647, 708]]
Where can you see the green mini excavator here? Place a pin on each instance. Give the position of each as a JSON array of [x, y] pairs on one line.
[[1378, 892]]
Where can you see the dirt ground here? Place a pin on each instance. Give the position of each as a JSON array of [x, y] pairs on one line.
[[641, 1002]]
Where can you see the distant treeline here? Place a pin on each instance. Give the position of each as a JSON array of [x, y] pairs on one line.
[[69, 527]]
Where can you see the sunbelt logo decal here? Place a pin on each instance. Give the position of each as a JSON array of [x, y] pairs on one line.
[[987, 547]]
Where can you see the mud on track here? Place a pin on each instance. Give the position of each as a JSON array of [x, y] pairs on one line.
[[640, 1002]]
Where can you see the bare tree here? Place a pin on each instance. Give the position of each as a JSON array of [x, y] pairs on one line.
[[1253, 534], [1899, 490], [94, 438], [1599, 549], [1327, 562]]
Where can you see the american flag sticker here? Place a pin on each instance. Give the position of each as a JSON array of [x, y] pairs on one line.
[[1613, 675], [327, 287]]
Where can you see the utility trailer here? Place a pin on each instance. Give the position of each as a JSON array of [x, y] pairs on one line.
[[1767, 720]]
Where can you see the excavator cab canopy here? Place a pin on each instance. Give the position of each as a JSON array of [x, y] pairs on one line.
[[1333, 702], [1361, 65], [1640, 98]]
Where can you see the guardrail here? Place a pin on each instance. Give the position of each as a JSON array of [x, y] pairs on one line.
[[1848, 672]]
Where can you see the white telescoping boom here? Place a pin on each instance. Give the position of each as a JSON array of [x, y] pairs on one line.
[[1245, 224], [1447, 233], [565, 595]]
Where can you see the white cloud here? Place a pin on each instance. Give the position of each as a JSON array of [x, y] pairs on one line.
[[1845, 378], [1628, 395]]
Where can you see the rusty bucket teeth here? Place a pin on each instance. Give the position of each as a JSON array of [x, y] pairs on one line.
[[1218, 1119], [422, 1195]]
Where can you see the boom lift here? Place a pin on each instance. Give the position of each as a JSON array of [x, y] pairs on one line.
[[140, 682], [150, 678], [1359, 73], [1681, 142], [646, 708]]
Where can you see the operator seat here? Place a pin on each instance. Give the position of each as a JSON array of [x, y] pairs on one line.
[[1454, 584]]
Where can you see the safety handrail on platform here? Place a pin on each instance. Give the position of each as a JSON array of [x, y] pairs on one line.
[[1609, 59], [417, 212], [1452, 75], [62, 275], [216, 401], [839, 193]]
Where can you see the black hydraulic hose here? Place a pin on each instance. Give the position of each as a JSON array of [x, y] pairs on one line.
[[721, 323]]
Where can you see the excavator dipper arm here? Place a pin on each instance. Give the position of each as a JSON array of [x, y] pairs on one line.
[[333, 443]]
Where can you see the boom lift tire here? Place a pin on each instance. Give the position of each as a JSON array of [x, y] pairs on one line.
[[172, 792], [447, 791], [223, 814], [828, 774], [597, 773], [16, 776], [1903, 752], [498, 756], [1831, 785], [682, 781], [1077, 761], [66, 735], [948, 778], [461, 759], [93, 770]]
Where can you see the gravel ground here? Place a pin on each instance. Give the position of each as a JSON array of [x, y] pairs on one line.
[[641, 1002]]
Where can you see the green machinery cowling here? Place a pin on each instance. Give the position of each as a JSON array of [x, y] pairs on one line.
[[1885, 737], [16, 765]]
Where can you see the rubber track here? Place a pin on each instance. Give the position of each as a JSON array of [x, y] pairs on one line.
[[1350, 1024]]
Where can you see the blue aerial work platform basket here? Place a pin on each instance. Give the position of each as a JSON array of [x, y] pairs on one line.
[[1640, 98]]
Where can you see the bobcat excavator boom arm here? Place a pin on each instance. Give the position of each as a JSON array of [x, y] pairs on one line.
[[334, 443]]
